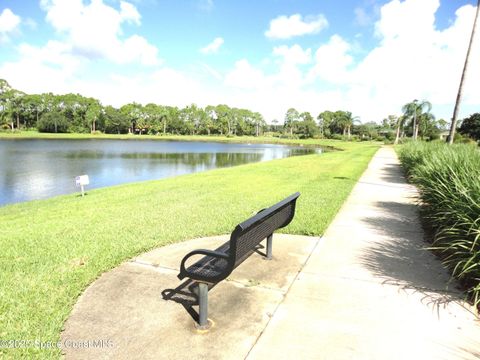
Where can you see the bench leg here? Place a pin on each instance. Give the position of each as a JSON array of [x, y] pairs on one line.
[[203, 305], [269, 247]]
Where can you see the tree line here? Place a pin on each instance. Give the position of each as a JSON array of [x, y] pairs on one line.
[[79, 114], [75, 113]]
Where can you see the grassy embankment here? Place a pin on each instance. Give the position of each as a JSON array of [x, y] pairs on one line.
[[448, 179], [53, 249], [216, 138]]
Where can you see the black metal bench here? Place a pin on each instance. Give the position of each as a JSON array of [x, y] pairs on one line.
[[217, 265]]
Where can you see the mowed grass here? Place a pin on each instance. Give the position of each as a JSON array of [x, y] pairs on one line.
[[204, 138], [53, 249]]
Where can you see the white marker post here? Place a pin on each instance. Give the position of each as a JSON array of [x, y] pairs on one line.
[[81, 181]]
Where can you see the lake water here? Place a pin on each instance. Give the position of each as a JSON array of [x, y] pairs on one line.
[[37, 169]]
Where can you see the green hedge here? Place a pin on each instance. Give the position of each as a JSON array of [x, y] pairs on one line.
[[448, 179]]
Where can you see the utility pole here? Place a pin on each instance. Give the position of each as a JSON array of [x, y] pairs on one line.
[[414, 135]]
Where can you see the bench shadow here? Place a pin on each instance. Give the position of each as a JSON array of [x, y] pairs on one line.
[[185, 294], [404, 259], [261, 250]]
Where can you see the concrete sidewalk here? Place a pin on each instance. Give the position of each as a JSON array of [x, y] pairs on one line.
[[366, 290], [370, 290]]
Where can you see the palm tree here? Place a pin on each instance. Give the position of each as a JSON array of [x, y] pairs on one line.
[[345, 120], [400, 123], [460, 87], [414, 110], [259, 122], [410, 111], [351, 120]]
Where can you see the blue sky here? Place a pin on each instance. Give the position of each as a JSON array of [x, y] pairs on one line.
[[366, 56]]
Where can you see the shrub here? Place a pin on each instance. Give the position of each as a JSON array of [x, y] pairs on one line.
[[471, 126], [336, 137], [447, 177], [390, 136], [271, 134], [288, 136]]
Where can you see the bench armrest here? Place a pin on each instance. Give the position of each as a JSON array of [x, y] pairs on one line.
[[183, 271]]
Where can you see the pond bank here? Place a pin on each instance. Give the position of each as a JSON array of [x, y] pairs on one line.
[[334, 144]]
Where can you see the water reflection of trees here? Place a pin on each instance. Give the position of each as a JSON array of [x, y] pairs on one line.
[[304, 151], [208, 159], [191, 158]]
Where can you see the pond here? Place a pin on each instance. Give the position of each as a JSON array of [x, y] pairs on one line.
[[33, 169]]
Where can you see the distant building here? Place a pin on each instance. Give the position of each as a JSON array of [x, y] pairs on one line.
[[444, 135]]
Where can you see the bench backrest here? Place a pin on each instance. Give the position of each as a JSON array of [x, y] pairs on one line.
[[251, 232]]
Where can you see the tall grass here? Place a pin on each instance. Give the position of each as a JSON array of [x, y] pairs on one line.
[[448, 179]]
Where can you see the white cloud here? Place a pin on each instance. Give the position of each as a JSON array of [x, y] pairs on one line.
[[137, 48], [211, 71], [163, 86], [332, 61], [294, 54], [94, 30], [213, 47], [419, 15], [288, 60], [50, 68], [245, 76], [286, 27], [128, 12], [9, 23], [271, 92]]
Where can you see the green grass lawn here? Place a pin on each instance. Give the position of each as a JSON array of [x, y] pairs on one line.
[[53, 249]]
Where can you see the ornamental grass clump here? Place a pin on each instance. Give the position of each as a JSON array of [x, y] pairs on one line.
[[448, 179]]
